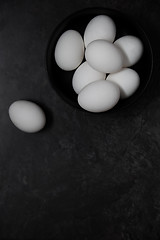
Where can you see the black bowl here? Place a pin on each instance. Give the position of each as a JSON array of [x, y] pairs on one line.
[[62, 80]]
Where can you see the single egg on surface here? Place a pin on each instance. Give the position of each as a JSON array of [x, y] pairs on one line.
[[132, 49], [99, 96], [100, 27], [104, 56], [84, 75], [27, 116], [128, 81], [69, 51]]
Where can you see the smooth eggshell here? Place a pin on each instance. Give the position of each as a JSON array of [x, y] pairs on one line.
[[84, 75], [27, 116], [99, 96], [128, 81], [100, 27], [132, 49], [104, 56], [69, 51]]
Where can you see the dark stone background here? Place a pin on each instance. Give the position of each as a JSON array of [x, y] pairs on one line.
[[84, 177]]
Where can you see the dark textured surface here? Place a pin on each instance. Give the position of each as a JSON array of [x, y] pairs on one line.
[[84, 176]]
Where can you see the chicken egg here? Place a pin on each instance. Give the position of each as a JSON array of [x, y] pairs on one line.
[[27, 116], [69, 51], [128, 81], [132, 49], [99, 96], [104, 56], [84, 75], [100, 27]]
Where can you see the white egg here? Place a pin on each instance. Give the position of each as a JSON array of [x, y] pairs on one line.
[[69, 51], [128, 81], [100, 27], [84, 75], [104, 56], [27, 116], [132, 49], [99, 96]]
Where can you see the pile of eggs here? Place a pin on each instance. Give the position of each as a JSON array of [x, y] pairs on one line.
[[102, 65]]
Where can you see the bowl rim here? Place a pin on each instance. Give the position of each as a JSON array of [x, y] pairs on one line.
[[93, 10]]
